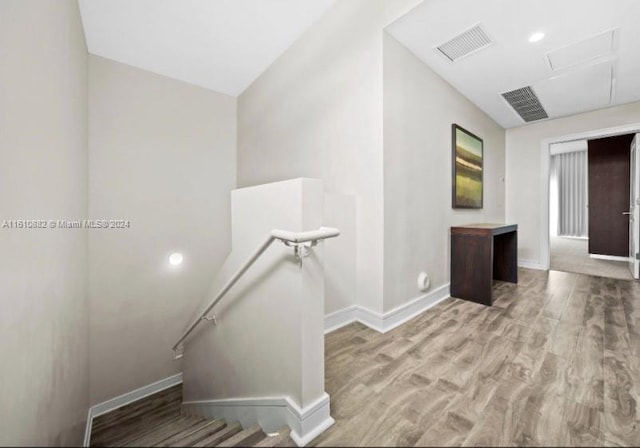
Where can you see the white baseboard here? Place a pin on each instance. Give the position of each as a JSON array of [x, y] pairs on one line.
[[389, 320], [125, 399], [270, 413], [530, 264], [609, 257], [87, 429], [340, 318]]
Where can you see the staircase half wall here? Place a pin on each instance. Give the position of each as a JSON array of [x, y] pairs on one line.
[[264, 359]]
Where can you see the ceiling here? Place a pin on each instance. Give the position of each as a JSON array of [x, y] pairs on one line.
[[589, 58], [223, 45]]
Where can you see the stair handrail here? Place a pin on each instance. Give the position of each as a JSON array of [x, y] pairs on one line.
[[300, 241]]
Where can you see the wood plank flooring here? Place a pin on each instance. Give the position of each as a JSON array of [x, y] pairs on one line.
[[555, 362]]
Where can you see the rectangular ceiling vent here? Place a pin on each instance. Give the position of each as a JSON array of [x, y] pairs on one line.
[[469, 42], [525, 102]]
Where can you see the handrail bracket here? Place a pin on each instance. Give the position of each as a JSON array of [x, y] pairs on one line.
[[211, 318], [178, 352], [301, 250]]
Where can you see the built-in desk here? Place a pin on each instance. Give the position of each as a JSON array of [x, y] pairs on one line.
[[481, 253]]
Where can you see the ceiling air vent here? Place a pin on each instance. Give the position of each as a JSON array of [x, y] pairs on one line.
[[469, 42], [525, 102]]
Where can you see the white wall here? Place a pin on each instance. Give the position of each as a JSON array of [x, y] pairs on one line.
[[419, 108], [524, 181], [269, 340], [317, 112], [162, 155], [44, 382], [340, 254]]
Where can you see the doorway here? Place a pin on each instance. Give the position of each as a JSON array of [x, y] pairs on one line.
[[565, 244]]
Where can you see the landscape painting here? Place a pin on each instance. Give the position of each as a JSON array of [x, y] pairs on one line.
[[467, 168]]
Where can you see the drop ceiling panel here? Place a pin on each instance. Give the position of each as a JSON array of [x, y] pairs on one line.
[[587, 50], [577, 90]]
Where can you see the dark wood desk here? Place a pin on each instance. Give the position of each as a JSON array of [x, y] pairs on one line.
[[481, 253]]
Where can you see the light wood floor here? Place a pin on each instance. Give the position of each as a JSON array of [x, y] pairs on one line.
[[555, 362]]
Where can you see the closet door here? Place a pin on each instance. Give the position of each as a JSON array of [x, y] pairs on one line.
[[634, 209], [609, 167]]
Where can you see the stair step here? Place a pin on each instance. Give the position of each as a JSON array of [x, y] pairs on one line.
[[134, 416], [159, 433], [160, 399], [246, 437], [198, 432], [152, 427], [113, 435], [220, 436], [167, 398], [157, 420], [198, 436], [283, 439]]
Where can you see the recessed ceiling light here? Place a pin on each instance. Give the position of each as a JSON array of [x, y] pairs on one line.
[[175, 259], [535, 37]]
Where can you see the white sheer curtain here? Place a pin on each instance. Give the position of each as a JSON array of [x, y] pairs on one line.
[[569, 171]]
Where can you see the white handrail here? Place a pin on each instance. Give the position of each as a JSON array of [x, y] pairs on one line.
[[289, 238], [303, 237]]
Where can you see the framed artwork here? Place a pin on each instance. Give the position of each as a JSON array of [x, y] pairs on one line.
[[467, 163]]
